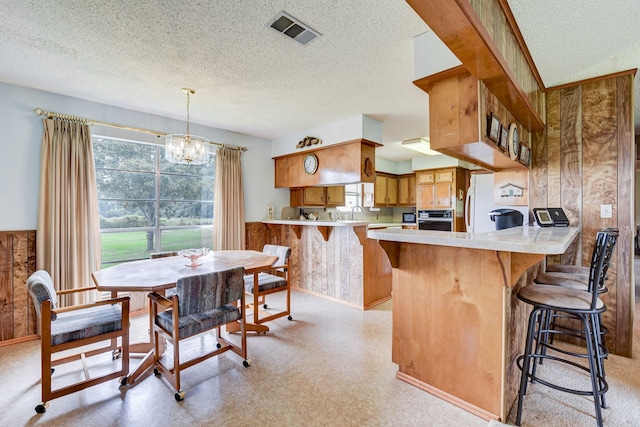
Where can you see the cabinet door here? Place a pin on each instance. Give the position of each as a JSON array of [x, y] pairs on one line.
[[425, 196], [407, 190], [425, 177], [442, 195], [445, 175], [380, 191], [335, 195], [403, 190], [412, 190], [314, 196], [392, 191]]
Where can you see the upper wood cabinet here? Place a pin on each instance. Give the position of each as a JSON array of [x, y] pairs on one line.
[[440, 188], [407, 190], [458, 109], [344, 163], [335, 195], [317, 196], [386, 190]]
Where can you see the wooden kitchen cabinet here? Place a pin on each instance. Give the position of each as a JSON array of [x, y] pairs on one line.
[[307, 196], [317, 196], [335, 195], [407, 190], [439, 188], [386, 190]]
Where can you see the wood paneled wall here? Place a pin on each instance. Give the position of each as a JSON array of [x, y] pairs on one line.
[[584, 159], [17, 263]]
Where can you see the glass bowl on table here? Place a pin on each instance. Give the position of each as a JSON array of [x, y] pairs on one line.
[[193, 255]]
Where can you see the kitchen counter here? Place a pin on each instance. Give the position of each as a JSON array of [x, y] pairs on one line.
[[341, 223], [458, 326], [312, 222], [550, 240]]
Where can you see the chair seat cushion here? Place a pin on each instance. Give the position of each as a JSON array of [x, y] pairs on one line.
[[266, 282], [88, 322], [558, 297], [193, 324]]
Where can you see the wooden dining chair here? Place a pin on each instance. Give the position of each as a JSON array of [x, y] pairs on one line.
[[200, 304], [276, 280], [70, 329]]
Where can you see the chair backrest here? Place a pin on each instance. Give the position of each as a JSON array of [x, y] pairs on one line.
[[155, 255], [40, 287], [204, 292], [600, 261], [282, 252]]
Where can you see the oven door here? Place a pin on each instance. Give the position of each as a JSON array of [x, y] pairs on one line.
[[435, 224]]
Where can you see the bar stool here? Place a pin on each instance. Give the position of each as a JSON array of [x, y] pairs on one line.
[[577, 277], [584, 306]]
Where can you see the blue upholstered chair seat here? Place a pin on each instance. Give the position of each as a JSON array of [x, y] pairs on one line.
[[195, 323], [266, 281], [88, 322]]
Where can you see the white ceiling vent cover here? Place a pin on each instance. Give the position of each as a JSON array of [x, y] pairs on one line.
[[293, 28]]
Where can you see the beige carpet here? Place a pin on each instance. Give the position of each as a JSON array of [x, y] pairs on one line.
[[544, 406]]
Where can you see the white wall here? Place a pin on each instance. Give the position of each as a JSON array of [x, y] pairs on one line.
[[356, 127], [22, 134]]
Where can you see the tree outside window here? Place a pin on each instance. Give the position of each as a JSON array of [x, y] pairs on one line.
[[149, 205]]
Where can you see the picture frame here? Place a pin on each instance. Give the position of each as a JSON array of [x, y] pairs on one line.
[[504, 135], [494, 128], [525, 155]]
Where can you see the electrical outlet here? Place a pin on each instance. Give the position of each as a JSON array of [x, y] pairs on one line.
[[605, 211]]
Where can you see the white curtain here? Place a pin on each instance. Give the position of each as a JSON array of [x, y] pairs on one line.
[[68, 235], [228, 214]]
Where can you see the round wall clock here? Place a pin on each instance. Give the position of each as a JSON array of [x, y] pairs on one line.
[[513, 142], [310, 163]]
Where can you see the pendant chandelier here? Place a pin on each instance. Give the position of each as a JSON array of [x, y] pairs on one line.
[[185, 148]]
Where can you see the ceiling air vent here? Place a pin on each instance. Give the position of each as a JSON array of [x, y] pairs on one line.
[[293, 28]]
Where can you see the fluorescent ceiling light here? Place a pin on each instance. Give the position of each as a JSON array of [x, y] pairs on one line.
[[421, 145]]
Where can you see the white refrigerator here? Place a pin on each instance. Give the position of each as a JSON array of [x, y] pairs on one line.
[[479, 203]]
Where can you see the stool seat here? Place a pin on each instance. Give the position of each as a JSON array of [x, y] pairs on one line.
[[559, 297]]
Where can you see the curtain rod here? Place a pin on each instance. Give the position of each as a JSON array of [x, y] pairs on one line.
[[40, 112]]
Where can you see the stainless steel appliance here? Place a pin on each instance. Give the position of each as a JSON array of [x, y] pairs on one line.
[[409, 218], [436, 219]]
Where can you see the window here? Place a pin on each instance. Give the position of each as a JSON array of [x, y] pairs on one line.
[[149, 205]]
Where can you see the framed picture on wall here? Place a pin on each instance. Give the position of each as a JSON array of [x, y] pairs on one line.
[[494, 128], [525, 155], [504, 134]]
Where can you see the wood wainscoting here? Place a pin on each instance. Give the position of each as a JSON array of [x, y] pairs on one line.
[[342, 265], [18, 319]]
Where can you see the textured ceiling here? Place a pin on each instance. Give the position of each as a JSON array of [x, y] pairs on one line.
[[573, 40], [250, 79]]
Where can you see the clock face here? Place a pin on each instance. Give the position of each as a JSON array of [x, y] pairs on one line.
[[514, 142], [310, 164]]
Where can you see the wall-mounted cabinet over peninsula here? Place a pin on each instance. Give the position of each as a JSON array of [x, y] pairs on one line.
[[336, 164], [459, 105]]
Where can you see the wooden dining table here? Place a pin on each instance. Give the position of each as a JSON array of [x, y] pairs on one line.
[[160, 274]]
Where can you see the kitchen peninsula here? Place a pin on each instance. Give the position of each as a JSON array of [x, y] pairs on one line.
[[334, 259], [457, 324]]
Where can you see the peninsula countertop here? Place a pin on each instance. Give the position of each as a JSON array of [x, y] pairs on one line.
[[526, 239]]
